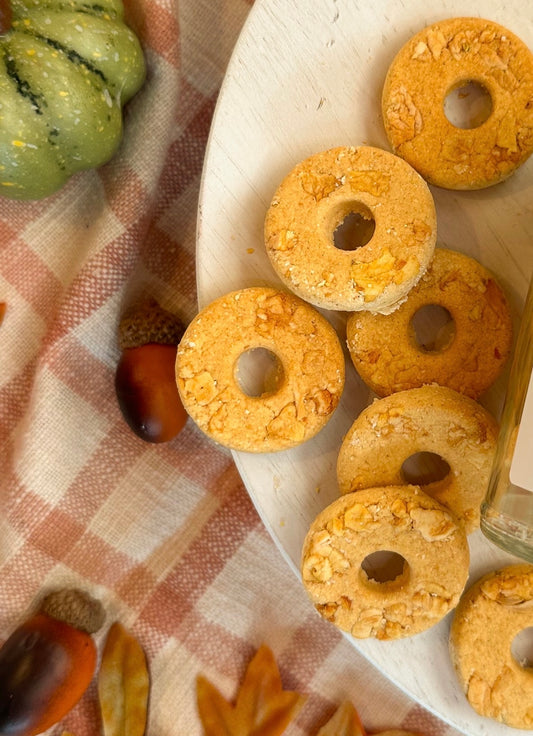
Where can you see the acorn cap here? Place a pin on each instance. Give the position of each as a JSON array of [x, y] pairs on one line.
[[147, 323], [74, 607]]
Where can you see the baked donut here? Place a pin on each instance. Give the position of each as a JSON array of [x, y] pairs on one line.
[[430, 419], [490, 614], [305, 395], [395, 519], [446, 56], [385, 351], [317, 196]]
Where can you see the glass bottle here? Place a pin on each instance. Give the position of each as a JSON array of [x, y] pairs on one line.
[[507, 510]]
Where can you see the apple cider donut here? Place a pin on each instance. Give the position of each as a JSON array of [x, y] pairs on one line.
[[306, 346], [396, 519], [385, 350], [491, 613], [440, 58], [431, 419], [317, 196]]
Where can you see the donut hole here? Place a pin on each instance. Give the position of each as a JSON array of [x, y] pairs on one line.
[[355, 227], [385, 566], [424, 468], [468, 105], [433, 328], [522, 648], [258, 372]]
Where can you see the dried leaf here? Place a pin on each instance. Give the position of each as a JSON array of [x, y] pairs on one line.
[[3, 307], [262, 707], [344, 722], [123, 684]]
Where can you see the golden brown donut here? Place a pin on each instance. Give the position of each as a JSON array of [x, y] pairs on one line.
[[316, 197], [304, 342], [442, 57], [490, 614], [385, 352], [397, 519], [430, 419]]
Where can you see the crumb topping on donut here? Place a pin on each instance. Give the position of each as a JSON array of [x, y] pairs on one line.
[[403, 116], [510, 588]]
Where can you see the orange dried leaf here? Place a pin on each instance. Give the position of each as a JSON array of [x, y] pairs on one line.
[[344, 722], [3, 307], [262, 707], [123, 684]]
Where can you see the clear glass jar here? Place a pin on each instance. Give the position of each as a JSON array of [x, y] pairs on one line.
[[507, 510]]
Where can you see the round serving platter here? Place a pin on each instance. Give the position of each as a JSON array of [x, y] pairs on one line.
[[305, 77]]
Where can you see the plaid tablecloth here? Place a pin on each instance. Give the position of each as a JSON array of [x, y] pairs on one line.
[[165, 535]]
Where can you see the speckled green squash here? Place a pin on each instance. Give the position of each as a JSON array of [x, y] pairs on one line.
[[66, 69]]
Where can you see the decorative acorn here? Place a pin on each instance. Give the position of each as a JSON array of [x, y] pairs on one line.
[[145, 379], [48, 662]]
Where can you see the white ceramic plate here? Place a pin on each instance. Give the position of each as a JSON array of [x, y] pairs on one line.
[[306, 76]]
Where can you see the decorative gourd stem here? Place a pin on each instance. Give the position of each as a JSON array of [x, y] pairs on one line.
[[5, 16]]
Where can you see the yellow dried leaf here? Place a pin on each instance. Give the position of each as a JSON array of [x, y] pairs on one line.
[[262, 707], [123, 684], [344, 722]]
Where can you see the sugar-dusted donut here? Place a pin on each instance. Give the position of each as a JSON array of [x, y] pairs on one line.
[[395, 519], [445, 56], [491, 613], [306, 346], [385, 351], [317, 196], [431, 419]]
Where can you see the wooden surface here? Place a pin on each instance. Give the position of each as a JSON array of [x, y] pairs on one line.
[[305, 77]]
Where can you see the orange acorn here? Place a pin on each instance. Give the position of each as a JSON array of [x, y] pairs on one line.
[[48, 662]]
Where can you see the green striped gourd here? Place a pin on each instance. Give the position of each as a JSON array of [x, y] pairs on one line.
[[66, 69]]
